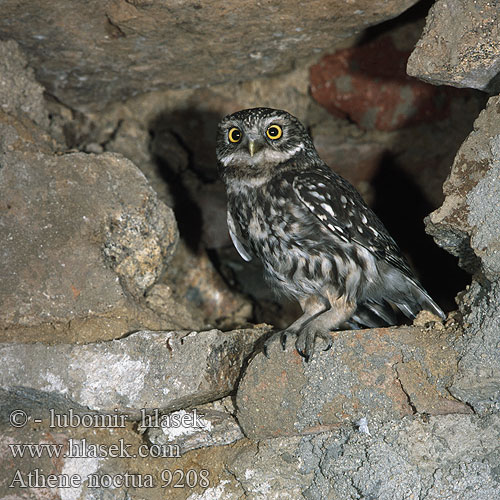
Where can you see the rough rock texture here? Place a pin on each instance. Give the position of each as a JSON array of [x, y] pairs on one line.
[[451, 224], [436, 458], [467, 226], [117, 49], [460, 45], [395, 461], [400, 460], [216, 428], [377, 373], [19, 91], [84, 237], [165, 370]]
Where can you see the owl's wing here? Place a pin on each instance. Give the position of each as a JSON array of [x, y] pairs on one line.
[[237, 239], [341, 209]]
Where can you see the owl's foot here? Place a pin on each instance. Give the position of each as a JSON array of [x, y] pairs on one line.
[[304, 343], [306, 340]]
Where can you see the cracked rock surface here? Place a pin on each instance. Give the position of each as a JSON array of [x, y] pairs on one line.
[[163, 370], [381, 374]]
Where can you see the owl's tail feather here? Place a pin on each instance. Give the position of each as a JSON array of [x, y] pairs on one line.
[[415, 299], [375, 314], [405, 295]]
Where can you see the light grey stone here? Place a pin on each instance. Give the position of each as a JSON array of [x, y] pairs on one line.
[[460, 45], [164, 370], [447, 456], [216, 428]]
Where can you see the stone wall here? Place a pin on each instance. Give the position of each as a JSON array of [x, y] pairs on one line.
[[130, 330]]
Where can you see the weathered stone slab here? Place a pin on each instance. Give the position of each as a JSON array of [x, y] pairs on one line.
[[152, 370], [452, 225], [214, 428], [380, 374], [467, 226]]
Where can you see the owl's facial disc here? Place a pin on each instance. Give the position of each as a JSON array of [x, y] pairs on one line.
[[264, 142]]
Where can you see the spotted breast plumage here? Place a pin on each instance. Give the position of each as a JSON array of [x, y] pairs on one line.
[[317, 239]]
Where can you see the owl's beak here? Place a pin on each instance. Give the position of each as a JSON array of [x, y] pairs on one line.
[[253, 147]]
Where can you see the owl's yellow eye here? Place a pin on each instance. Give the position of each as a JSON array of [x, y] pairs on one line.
[[274, 132], [235, 135]]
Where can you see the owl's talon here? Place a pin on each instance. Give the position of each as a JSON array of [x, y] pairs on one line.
[[265, 350], [283, 338], [329, 343]]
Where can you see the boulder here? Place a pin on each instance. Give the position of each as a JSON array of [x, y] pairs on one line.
[[117, 49], [460, 46], [84, 237]]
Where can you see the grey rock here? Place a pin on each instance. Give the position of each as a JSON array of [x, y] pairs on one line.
[[406, 459], [164, 370], [451, 225], [478, 378], [447, 456], [84, 237], [216, 428], [467, 226], [460, 45], [117, 49], [484, 214], [272, 470], [20, 93]]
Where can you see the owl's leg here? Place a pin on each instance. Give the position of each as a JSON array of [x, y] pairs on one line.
[[320, 326], [313, 307]]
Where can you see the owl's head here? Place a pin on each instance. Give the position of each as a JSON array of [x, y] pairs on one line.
[[259, 139]]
